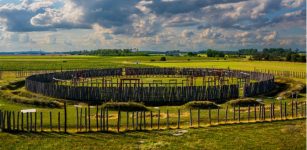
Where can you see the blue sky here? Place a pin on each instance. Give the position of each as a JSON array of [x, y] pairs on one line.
[[63, 25]]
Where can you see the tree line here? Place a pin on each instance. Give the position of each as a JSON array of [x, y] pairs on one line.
[[111, 52]]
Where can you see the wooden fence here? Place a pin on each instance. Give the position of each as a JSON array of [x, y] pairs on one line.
[[288, 74], [154, 94], [97, 119]]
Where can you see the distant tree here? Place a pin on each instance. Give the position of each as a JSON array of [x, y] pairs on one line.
[[163, 59], [214, 53], [191, 54]]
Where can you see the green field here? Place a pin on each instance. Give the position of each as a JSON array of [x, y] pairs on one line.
[[276, 135], [288, 134], [74, 62]]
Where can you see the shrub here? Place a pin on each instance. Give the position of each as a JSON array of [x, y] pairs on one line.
[[163, 59], [14, 85], [244, 102], [201, 105], [125, 106]]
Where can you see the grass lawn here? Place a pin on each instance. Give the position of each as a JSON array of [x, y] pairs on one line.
[[275, 135]]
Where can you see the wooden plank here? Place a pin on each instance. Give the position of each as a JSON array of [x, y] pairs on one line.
[[41, 121], [178, 121]]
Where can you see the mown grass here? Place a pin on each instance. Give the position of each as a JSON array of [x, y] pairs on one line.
[[275, 135]]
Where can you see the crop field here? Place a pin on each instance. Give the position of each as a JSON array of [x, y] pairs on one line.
[[75, 62], [256, 135]]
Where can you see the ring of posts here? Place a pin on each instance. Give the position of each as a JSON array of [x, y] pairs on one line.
[[93, 86]]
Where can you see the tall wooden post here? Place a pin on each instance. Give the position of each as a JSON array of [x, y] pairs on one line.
[[89, 114], [96, 114], [159, 119], [118, 120], [65, 117], [77, 123], [178, 122]]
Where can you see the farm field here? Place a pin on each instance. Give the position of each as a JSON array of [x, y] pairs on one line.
[[75, 62]]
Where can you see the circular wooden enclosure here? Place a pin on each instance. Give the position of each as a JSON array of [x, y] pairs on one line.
[[141, 85]]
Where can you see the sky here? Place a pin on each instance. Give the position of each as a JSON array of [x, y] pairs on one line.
[[159, 25]]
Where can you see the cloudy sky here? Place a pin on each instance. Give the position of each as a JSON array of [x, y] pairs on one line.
[[63, 25]]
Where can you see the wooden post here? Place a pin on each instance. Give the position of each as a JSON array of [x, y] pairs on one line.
[[85, 119], [65, 117], [144, 117], [263, 112], [77, 124], [286, 110], [292, 112], [96, 115], [50, 115], [280, 110], [101, 113], [167, 119], [107, 119], [41, 121], [80, 119], [234, 113], [118, 121], [17, 119], [104, 120], [22, 129], [159, 119], [274, 111], [89, 115], [127, 122], [260, 112], [271, 112], [31, 122], [13, 113], [239, 113], [191, 118], [151, 119], [1, 121], [59, 121], [137, 120], [27, 121], [296, 109], [133, 120], [35, 121], [218, 115], [255, 112], [178, 122], [140, 124]]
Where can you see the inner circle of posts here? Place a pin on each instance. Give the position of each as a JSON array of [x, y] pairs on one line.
[[84, 85]]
